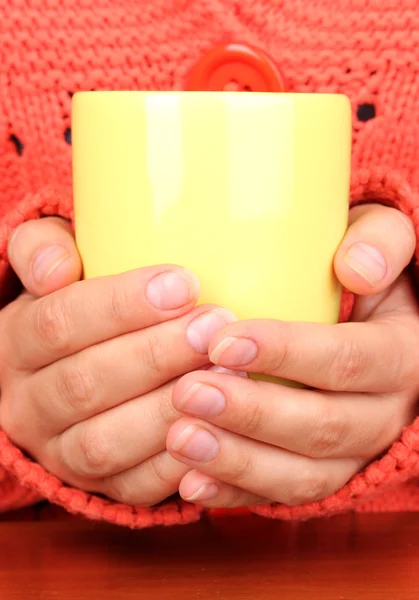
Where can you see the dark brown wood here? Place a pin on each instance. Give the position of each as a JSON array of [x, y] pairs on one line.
[[56, 557]]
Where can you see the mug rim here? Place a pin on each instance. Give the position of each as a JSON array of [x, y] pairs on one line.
[[208, 93]]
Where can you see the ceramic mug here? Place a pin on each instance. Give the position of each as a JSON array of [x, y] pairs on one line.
[[248, 190]]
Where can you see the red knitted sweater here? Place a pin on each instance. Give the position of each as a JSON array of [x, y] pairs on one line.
[[49, 49]]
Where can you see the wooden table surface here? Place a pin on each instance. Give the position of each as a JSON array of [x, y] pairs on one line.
[[50, 556]]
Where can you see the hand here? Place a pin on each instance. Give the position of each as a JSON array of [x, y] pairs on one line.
[[250, 442], [87, 370]]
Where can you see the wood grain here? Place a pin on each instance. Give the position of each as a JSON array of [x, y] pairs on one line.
[[46, 555]]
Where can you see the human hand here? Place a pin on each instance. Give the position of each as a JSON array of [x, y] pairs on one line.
[[87, 367], [251, 442]]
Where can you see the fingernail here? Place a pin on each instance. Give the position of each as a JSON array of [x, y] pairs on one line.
[[206, 492], [201, 329], [234, 352], [196, 444], [202, 401], [171, 290], [224, 371], [47, 260], [367, 261]]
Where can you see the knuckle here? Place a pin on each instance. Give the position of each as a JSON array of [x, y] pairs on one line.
[[76, 385], [52, 323], [238, 471], [329, 433], [157, 484], [93, 457], [120, 305], [159, 474], [347, 363], [165, 414], [150, 353], [249, 418], [285, 353], [120, 488], [310, 486], [235, 498]]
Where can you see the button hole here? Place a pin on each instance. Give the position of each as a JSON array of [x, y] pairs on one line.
[[18, 144], [67, 136], [365, 112]]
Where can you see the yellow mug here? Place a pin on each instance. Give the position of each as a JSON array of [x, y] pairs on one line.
[[248, 190]]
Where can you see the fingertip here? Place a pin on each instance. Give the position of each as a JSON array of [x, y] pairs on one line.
[[43, 254], [182, 385], [362, 268], [197, 487], [174, 432], [65, 271], [377, 247], [222, 338]]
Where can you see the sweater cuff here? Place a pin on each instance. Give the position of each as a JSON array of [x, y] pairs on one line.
[[401, 463], [22, 481], [13, 495]]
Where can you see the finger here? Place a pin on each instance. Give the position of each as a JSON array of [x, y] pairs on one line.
[[306, 422], [92, 311], [201, 489], [43, 254], [377, 356], [146, 484], [263, 470], [377, 247], [117, 439], [101, 377]]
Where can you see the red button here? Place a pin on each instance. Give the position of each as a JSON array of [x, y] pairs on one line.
[[235, 67]]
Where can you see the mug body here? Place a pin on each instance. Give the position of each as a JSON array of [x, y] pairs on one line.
[[248, 190]]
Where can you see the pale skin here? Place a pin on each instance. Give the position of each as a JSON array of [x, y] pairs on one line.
[[94, 387]]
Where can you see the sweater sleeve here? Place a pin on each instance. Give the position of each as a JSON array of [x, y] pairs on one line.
[[22, 481], [390, 482]]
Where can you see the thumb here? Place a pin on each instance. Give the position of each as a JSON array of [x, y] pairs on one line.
[[43, 254], [377, 247]]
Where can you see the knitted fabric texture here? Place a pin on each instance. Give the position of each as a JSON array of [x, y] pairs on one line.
[[50, 49]]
